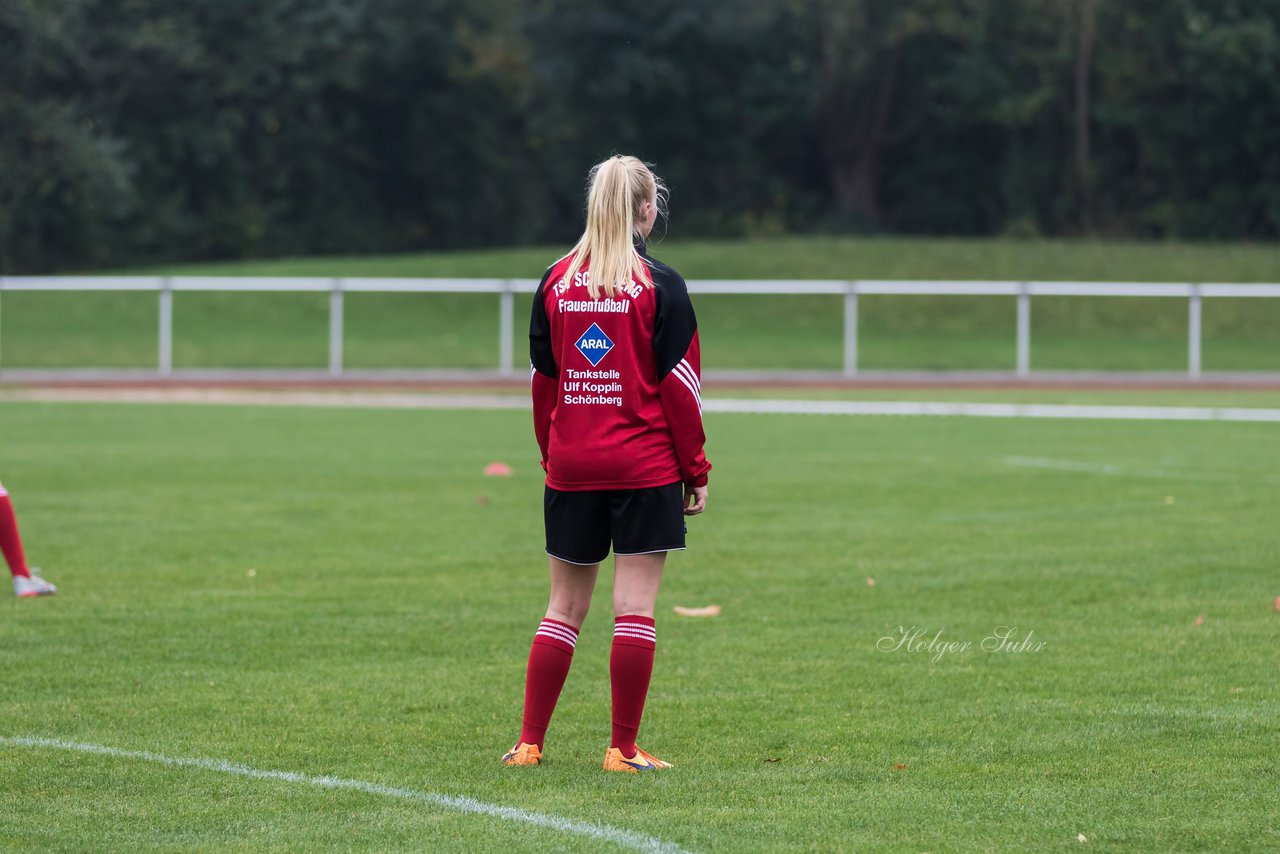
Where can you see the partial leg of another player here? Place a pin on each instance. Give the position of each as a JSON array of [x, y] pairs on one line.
[[26, 579], [551, 654], [635, 593]]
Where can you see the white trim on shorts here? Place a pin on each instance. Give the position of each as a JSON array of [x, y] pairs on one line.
[[619, 554], [578, 562], [652, 551]]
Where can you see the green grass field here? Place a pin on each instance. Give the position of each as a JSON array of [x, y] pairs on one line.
[[340, 592], [749, 332]]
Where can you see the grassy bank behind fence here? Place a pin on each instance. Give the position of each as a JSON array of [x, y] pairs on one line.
[[237, 330]]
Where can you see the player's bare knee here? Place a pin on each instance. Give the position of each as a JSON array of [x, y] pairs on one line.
[[569, 609], [639, 606]]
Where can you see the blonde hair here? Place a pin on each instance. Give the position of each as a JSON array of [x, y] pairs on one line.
[[616, 190]]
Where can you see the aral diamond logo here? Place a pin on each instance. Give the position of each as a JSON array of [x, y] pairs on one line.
[[594, 344]]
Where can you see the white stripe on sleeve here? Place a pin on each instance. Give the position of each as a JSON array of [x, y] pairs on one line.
[[678, 374], [691, 373]]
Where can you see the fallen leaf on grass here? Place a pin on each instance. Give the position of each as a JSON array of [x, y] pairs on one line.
[[1278, 603], [708, 611], [483, 499], [871, 582], [779, 759], [899, 767], [497, 469], [1199, 620]]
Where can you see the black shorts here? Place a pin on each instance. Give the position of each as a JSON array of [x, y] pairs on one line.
[[581, 525]]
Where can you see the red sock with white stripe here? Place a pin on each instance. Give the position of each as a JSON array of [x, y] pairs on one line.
[[549, 660], [630, 666], [10, 542]]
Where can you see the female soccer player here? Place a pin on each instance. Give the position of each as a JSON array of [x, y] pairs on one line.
[[618, 417], [26, 579]]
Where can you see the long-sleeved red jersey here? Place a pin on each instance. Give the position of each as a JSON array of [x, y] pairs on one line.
[[616, 382]]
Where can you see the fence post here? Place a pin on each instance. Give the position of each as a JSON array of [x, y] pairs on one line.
[[1193, 333], [165, 356], [851, 329], [1024, 329], [335, 329], [506, 312]]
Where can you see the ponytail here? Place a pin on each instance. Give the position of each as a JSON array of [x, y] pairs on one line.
[[617, 188]]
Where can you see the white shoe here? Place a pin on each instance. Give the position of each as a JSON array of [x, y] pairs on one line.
[[33, 586]]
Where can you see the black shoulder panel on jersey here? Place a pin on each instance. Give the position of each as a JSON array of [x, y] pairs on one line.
[[541, 356], [675, 323]]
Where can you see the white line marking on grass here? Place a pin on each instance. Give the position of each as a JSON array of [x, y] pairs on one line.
[[244, 397], [994, 410], [1110, 469], [459, 803]]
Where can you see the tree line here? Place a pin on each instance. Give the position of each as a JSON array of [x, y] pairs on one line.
[[135, 131]]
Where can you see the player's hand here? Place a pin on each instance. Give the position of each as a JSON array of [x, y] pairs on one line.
[[695, 500]]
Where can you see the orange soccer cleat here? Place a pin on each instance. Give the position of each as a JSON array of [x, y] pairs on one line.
[[523, 754], [615, 761]]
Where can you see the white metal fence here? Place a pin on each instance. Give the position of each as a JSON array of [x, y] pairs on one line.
[[506, 289]]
